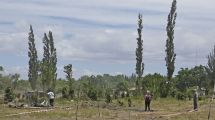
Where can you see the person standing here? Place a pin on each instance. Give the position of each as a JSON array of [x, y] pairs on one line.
[[51, 98], [195, 100], [147, 98]]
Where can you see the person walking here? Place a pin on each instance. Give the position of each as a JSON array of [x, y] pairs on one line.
[[147, 98], [51, 98]]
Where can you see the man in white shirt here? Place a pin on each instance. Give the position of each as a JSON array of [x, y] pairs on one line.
[[51, 98]]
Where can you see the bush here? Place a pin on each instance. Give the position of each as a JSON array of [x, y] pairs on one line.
[[92, 94], [9, 95], [181, 96], [71, 94], [64, 93], [129, 102], [108, 98]]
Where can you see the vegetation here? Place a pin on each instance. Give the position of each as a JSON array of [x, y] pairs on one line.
[[170, 54], [211, 66], [68, 71], [33, 62], [139, 55], [49, 62], [113, 96]]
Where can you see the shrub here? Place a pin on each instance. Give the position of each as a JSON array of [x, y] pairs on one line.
[[181, 96], [129, 102], [64, 92], [92, 94], [71, 94], [9, 95], [108, 98]]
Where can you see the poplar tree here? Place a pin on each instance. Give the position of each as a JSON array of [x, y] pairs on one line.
[[49, 63], [211, 66], [45, 72], [139, 55], [53, 61], [68, 71], [170, 54], [33, 62]]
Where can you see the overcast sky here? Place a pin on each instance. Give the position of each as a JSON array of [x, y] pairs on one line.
[[99, 36]]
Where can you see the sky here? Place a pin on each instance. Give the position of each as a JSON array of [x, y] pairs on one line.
[[99, 36]]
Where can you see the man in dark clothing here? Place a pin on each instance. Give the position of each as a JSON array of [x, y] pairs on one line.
[[147, 98]]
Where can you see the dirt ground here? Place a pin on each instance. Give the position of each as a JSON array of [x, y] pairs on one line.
[[181, 110]]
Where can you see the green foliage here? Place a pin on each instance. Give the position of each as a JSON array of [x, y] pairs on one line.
[[15, 78], [152, 83], [53, 61], [181, 96], [188, 78], [108, 98], [49, 62], [164, 91], [211, 66], [33, 62], [139, 54], [68, 71], [64, 93], [9, 95], [92, 94], [1, 68], [170, 54]]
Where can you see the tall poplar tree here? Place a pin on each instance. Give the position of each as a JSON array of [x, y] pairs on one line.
[[49, 63], [45, 66], [53, 61], [139, 55], [33, 62], [211, 66], [170, 54]]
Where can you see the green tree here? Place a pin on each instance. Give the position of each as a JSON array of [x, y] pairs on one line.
[[152, 83], [189, 78], [68, 71], [33, 62], [49, 63], [15, 78], [45, 65], [1, 68], [139, 55], [53, 61], [211, 66], [170, 54]]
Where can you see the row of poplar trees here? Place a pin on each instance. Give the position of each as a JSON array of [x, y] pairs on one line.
[[170, 54], [46, 69]]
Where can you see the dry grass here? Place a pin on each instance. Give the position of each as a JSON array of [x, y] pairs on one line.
[[163, 109]]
